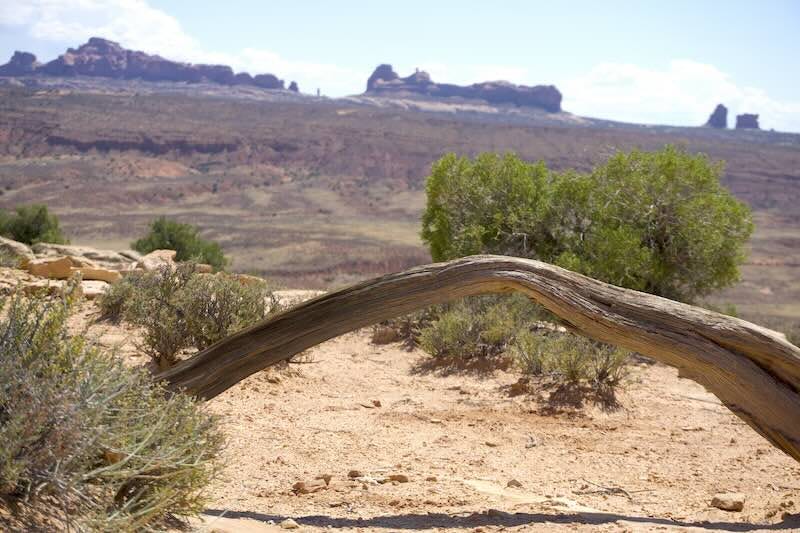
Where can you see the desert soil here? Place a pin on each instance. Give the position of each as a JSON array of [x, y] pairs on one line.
[[651, 464]]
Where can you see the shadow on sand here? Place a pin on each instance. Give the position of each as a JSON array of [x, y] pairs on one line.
[[443, 520]]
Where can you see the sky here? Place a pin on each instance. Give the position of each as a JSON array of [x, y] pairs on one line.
[[638, 61]]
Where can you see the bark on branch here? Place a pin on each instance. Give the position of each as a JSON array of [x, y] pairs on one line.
[[754, 371]]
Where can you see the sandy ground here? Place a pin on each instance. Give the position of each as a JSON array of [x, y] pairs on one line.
[[652, 464]]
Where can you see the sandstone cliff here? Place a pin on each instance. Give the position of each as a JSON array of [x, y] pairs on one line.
[[384, 81]]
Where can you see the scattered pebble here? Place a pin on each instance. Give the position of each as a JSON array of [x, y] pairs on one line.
[[309, 487], [289, 524], [728, 501]]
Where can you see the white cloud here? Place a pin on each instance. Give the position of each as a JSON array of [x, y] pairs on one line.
[[684, 93]]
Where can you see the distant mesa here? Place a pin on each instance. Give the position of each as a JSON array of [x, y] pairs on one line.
[[384, 81], [719, 118], [747, 121], [293, 87], [107, 59]]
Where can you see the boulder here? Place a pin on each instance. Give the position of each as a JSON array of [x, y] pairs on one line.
[[98, 274], [157, 259], [101, 258], [719, 118], [57, 268], [93, 288], [747, 121], [728, 501], [16, 251]]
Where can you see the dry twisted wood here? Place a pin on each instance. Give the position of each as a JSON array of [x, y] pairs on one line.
[[755, 372]]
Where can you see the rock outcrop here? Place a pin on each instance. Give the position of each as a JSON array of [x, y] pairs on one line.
[[21, 64], [293, 87], [719, 118], [384, 81], [108, 59], [747, 121]]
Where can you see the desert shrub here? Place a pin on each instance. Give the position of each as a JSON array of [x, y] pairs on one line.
[[216, 306], [8, 260], [179, 308], [113, 301], [31, 224], [184, 239], [570, 358], [479, 326], [658, 222], [77, 427]]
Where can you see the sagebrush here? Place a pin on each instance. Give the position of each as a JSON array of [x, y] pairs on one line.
[[180, 308], [110, 447]]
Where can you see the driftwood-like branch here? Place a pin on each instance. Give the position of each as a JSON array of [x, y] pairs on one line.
[[755, 372]]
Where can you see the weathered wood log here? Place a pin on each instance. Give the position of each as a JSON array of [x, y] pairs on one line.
[[755, 372]]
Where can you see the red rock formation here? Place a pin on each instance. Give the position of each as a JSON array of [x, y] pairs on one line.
[[719, 118], [385, 81], [747, 121], [21, 64], [107, 59]]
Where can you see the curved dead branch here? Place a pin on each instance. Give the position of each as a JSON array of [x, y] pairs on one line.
[[755, 372]]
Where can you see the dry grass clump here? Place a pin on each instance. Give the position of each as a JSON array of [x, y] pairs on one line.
[[503, 328], [110, 448], [180, 308]]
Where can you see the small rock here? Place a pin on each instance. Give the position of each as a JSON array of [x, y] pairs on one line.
[[728, 501], [309, 487], [326, 478], [354, 474], [289, 524], [400, 478], [376, 403], [514, 484], [491, 444], [431, 478], [496, 513], [384, 335]]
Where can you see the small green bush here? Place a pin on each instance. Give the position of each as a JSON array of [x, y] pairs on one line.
[[166, 234], [570, 358], [179, 308], [31, 224], [479, 326], [77, 427]]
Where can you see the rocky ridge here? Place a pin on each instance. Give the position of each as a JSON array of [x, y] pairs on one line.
[[107, 59], [384, 81]]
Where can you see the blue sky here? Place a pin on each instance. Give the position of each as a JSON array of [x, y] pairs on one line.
[[647, 61]]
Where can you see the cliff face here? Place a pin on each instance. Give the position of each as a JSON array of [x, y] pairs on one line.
[[107, 59], [384, 81]]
